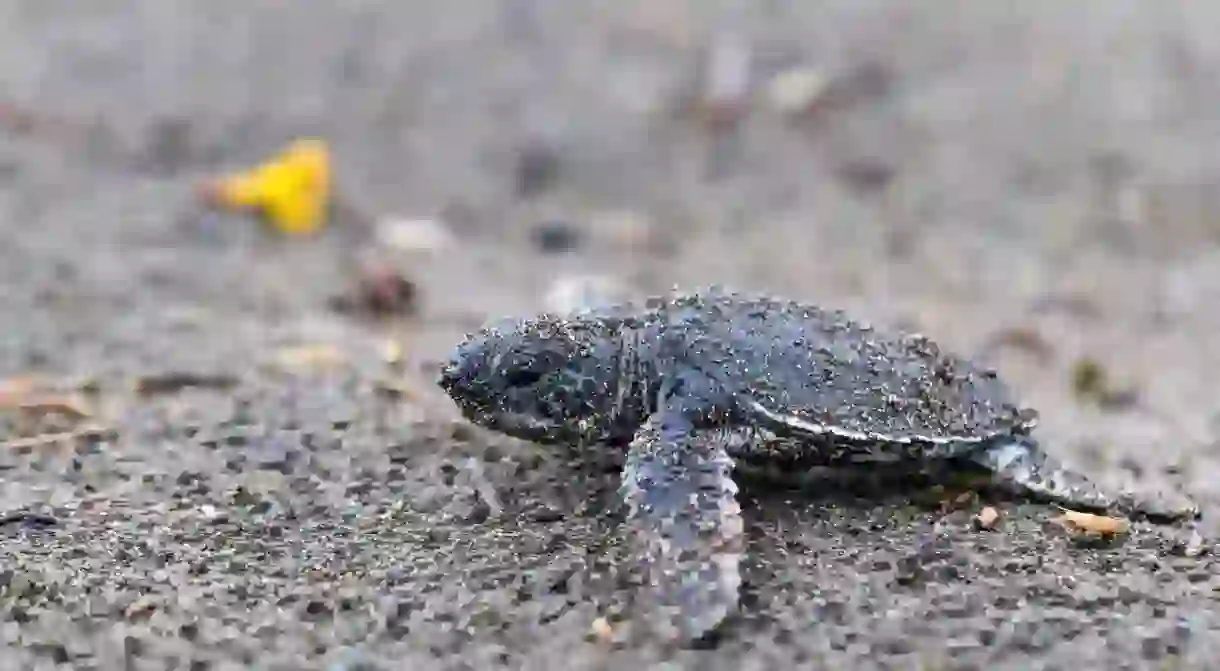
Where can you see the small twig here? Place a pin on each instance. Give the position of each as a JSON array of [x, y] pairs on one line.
[[174, 381], [42, 439], [48, 406]]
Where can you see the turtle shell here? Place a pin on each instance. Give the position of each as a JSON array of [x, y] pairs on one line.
[[812, 371]]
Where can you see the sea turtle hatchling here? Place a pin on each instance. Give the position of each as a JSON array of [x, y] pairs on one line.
[[691, 381]]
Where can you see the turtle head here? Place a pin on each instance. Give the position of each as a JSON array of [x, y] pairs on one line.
[[547, 379]]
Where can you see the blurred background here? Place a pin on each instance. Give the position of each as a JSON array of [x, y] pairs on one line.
[[1032, 184]]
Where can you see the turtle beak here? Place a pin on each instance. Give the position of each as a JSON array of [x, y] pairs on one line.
[[450, 375], [521, 425], [458, 374]]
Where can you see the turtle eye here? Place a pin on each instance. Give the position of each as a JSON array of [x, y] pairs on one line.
[[523, 377]]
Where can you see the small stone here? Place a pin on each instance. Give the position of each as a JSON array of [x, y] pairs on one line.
[[986, 519], [625, 229], [210, 512], [132, 646], [274, 453], [1089, 524], [1194, 545], [866, 175], [580, 292], [795, 90], [316, 609], [554, 237], [392, 352], [538, 167], [726, 80], [140, 608], [413, 235], [546, 514], [1152, 648], [601, 630], [908, 570]]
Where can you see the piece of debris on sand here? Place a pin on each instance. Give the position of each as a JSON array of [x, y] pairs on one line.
[[297, 358], [170, 382], [570, 293], [380, 291], [291, 191], [1090, 525], [601, 631], [986, 519], [1091, 382]]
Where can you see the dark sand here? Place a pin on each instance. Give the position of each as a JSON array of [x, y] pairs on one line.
[[1045, 179]]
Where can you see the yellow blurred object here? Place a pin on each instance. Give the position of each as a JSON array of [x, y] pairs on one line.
[[292, 190]]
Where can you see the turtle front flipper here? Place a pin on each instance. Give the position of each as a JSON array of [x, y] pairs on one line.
[[1019, 463], [683, 515]]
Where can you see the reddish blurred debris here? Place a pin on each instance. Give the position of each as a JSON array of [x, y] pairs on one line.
[[291, 191], [724, 88], [380, 291], [18, 120]]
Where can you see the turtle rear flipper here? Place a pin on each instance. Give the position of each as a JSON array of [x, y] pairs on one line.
[[683, 515], [1020, 464]]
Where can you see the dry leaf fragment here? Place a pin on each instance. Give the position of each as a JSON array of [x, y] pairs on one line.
[[1090, 381], [141, 608], [1088, 523], [601, 630], [44, 439], [961, 500], [70, 407], [395, 388], [309, 356], [1025, 339], [17, 387], [987, 518], [30, 394], [392, 352], [291, 190]]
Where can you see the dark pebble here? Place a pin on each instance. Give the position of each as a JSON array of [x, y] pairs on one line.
[[546, 515], [28, 519], [537, 168], [554, 237]]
